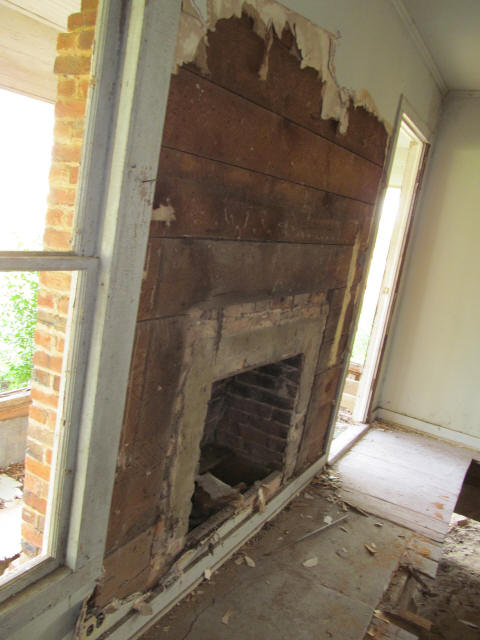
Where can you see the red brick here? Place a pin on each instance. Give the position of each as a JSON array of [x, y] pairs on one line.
[[83, 85], [89, 5], [48, 456], [59, 218], [46, 399], [37, 468], [57, 240], [75, 20], [85, 39], [32, 500], [42, 377], [61, 196], [46, 300], [36, 486], [39, 415], [56, 280], [66, 87], [73, 177], [29, 516], [66, 152], [31, 535], [66, 41], [56, 383], [52, 419], [63, 305], [47, 361], [43, 339], [59, 173], [72, 65], [35, 449], [40, 434]]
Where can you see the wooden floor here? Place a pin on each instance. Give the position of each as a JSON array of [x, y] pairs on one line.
[[405, 477], [329, 587]]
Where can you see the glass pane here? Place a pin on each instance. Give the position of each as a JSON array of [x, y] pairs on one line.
[[26, 132], [35, 308]]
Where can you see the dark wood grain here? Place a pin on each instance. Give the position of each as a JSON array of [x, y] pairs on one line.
[[183, 273], [209, 121], [213, 200]]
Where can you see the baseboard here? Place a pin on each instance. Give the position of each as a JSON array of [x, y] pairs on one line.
[[408, 422]]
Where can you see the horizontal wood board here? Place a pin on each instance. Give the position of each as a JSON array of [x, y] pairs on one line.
[[209, 121], [205, 198]]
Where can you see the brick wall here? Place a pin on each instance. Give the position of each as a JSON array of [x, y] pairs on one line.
[[72, 66], [258, 412]]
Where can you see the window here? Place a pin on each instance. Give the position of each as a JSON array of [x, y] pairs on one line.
[[134, 53]]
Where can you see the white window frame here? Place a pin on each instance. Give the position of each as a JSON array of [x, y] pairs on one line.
[[134, 53]]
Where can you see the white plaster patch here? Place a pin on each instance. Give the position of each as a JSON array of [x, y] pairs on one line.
[[164, 213]]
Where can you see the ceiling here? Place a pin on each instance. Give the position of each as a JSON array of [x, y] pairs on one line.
[[53, 13], [450, 30]]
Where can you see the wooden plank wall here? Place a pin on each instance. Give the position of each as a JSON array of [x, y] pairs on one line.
[[256, 197]]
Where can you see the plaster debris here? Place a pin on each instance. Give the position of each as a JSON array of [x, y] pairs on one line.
[[208, 574], [311, 562], [328, 519], [226, 616], [142, 607], [250, 561], [370, 549]]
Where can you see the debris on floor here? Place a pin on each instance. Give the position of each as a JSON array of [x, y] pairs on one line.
[[436, 600]]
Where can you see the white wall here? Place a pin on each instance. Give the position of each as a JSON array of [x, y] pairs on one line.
[[375, 52], [430, 376]]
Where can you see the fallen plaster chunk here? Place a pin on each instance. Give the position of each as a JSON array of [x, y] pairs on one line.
[[226, 616], [311, 562], [249, 561]]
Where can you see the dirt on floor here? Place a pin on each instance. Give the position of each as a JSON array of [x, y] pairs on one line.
[[452, 600], [15, 471]]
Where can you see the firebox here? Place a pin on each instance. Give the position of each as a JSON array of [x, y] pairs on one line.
[[246, 434]]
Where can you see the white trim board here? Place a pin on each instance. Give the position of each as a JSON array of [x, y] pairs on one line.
[[345, 441], [416, 424]]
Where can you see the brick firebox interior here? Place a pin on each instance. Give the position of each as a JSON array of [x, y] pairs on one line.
[[260, 229]]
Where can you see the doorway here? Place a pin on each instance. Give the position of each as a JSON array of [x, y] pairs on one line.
[[380, 291]]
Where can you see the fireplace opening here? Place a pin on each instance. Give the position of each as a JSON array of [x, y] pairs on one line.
[[245, 436]]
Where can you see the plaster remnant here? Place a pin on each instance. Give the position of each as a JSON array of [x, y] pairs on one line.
[[315, 45], [164, 213]]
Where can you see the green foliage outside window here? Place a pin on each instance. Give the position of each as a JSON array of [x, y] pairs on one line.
[[18, 315]]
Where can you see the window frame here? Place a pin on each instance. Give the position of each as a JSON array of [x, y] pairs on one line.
[[131, 67]]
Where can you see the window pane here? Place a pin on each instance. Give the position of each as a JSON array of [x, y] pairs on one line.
[[26, 132], [33, 324]]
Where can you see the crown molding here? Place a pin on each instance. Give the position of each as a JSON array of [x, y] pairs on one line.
[[464, 93], [420, 45]]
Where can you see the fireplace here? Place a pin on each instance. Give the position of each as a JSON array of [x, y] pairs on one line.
[[248, 371], [258, 241]]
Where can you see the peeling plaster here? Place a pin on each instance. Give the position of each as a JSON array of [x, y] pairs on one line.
[[315, 44]]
